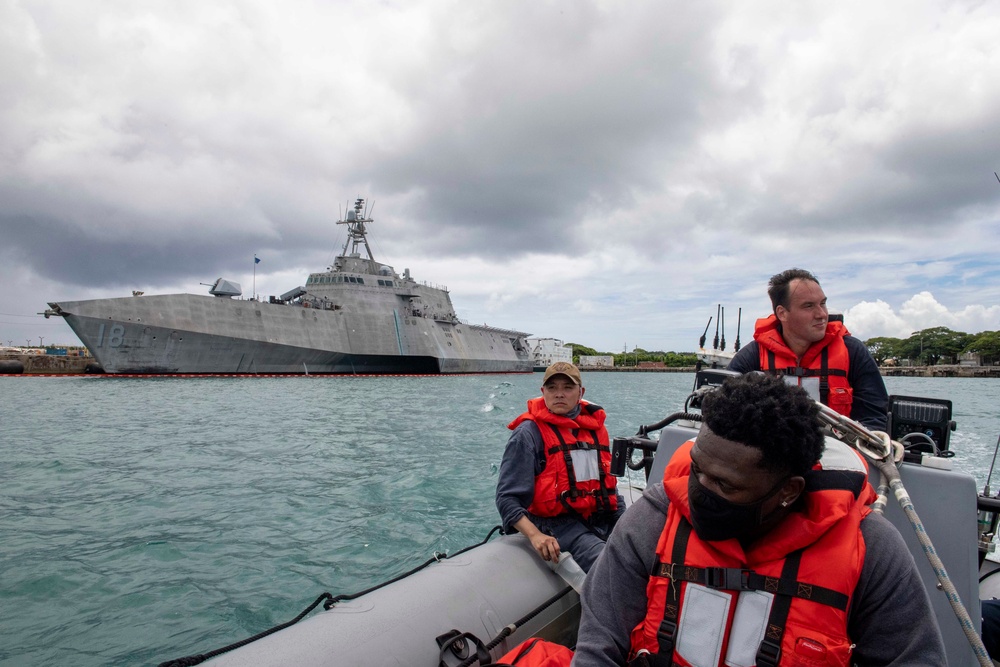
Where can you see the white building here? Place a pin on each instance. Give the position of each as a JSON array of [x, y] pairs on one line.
[[601, 361], [547, 351]]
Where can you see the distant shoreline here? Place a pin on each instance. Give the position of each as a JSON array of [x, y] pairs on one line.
[[887, 371], [41, 364]]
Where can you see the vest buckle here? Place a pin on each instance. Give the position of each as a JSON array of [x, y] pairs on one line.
[[665, 635], [768, 654], [727, 578]]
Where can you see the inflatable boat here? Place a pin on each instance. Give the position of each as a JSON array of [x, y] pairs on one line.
[[471, 607]]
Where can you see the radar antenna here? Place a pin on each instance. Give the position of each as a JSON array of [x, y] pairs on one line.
[[356, 231]]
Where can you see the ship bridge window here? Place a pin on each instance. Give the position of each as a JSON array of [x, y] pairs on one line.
[[352, 279], [361, 281]]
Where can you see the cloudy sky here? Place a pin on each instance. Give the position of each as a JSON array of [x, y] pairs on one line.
[[601, 172]]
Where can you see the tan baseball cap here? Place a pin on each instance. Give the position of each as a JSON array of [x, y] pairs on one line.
[[563, 368]]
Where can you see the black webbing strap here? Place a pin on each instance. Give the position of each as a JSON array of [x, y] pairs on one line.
[[736, 579], [824, 382], [601, 494], [798, 371], [567, 458], [666, 635], [769, 651], [572, 493]]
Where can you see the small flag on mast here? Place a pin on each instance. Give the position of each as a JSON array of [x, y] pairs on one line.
[[256, 259]]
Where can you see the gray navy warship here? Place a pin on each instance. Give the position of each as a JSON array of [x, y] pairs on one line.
[[358, 317]]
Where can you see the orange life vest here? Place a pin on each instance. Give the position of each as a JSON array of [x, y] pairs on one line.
[[561, 488], [784, 601], [536, 652], [827, 359]]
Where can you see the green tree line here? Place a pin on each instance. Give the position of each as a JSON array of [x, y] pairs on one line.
[[928, 347], [937, 345]]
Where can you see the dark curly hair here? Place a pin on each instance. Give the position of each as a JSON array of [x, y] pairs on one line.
[[777, 286], [763, 412]]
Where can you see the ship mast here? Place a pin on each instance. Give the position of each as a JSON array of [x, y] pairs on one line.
[[356, 233]]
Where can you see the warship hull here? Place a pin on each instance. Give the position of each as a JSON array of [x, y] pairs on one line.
[[185, 333]]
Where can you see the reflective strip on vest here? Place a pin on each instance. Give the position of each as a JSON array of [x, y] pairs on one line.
[[705, 613], [810, 384], [586, 466]]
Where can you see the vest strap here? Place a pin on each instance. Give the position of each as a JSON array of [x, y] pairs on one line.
[[666, 635], [567, 458], [586, 446], [736, 579], [824, 382], [800, 372], [769, 651]]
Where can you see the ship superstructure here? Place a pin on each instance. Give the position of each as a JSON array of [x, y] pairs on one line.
[[358, 316]]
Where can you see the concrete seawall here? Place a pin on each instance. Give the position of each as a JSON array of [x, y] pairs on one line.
[[45, 364], [953, 371]]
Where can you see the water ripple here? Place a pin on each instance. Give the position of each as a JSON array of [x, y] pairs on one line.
[[146, 519]]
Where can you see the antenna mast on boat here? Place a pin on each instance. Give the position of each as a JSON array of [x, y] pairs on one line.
[[715, 341], [739, 316], [704, 334], [356, 232], [722, 347]]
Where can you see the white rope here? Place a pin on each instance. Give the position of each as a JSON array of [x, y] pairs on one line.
[[889, 453]]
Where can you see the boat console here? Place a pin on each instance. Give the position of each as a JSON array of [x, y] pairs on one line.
[[922, 425]]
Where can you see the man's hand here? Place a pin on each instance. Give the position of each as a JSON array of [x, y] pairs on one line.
[[546, 546]]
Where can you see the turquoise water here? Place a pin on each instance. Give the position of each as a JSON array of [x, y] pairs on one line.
[[148, 519]]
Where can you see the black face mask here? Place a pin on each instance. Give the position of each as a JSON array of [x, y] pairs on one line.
[[714, 518]]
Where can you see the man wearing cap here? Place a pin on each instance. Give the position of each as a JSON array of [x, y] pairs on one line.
[[555, 485]]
